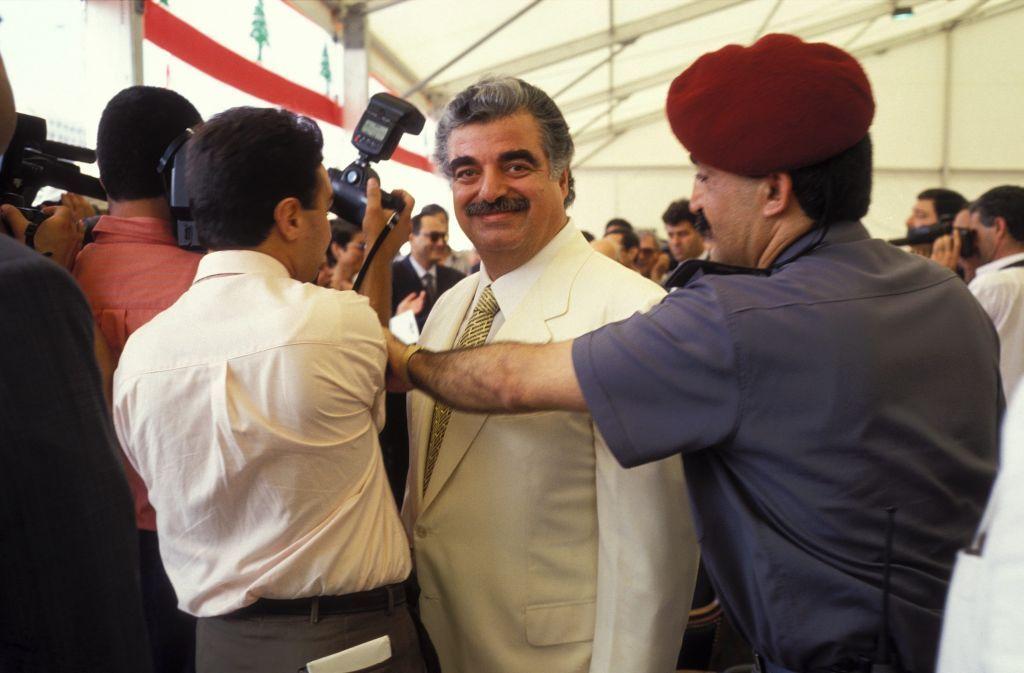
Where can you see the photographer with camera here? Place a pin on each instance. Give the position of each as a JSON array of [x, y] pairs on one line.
[[251, 409], [932, 206], [995, 225]]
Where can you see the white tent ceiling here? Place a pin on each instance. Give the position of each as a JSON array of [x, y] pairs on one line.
[[608, 64]]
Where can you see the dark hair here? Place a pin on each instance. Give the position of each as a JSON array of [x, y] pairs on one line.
[[135, 129], [1006, 202], [241, 164], [434, 209], [947, 202], [431, 210], [617, 224], [837, 189], [495, 98], [629, 239], [342, 233], [587, 235], [678, 211]]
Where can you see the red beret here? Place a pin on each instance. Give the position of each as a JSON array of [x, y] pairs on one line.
[[778, 104]]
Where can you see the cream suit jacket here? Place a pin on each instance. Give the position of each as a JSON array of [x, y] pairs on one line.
[[535, 551]]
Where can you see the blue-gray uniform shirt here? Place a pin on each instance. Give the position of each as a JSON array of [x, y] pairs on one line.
[[853, 378]]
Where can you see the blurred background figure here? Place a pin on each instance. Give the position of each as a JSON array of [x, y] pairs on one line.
[[345, 255], [617, 224], [651, 262], [933, 205], [684, 241], [628, 244]]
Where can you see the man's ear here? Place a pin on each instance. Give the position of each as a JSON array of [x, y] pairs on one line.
[[778, 188], [999, 224], [286, 218], [563, 182]]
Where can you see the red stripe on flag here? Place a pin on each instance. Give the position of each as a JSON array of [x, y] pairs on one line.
[[404, 156], [178, 38]]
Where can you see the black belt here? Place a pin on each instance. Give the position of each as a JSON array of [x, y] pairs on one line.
[[382, 598]]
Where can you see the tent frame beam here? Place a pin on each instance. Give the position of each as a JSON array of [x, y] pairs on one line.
[[419, 86], [973, 15], [807, 32], [625, 32]]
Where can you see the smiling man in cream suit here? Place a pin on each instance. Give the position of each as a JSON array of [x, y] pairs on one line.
[[532, 559]]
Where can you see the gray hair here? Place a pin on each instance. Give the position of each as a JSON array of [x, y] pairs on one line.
[[497, 97], [640, 233]]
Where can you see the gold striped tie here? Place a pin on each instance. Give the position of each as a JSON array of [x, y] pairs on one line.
[[475, 334]]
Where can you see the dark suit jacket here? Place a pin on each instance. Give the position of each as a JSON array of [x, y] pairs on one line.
[[69, 571], [394, 437], [405, 281]]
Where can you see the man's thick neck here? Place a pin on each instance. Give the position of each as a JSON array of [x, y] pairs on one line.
[[500, 263], [156, 208], [784, 232]]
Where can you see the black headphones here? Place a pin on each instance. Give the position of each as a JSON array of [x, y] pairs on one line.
[[171, 167]]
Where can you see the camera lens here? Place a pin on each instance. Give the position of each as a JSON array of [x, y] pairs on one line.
[[352, 176]]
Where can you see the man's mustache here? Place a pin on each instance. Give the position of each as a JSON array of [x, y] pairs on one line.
[[700, 223], [502, 204]]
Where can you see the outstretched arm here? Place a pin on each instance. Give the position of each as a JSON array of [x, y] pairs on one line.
[[504, 378]]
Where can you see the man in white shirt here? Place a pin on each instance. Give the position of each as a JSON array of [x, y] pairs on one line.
[[251, 409], [997, 218], [534, 550]]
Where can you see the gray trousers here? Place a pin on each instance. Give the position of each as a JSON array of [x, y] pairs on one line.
[[285, 643]]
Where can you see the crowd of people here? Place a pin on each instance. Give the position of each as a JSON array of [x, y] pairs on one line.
[[767, 440]]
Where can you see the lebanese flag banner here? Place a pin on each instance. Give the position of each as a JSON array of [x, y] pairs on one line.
[[243, 58]]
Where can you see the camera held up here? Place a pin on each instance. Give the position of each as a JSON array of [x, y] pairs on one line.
[[32, 162], [376, 137], [944, 227]]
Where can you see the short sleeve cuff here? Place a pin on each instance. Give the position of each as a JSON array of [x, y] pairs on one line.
[[600, 403]]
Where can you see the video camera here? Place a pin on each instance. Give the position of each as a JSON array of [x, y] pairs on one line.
[[944, 227], [32, 162]]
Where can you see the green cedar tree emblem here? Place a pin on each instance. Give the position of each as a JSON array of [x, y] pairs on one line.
[[325, 69], [259, 29]]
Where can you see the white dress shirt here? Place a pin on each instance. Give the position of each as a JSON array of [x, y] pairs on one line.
[[251, 409], [981, 631], [423, 273], [510, 289], [1000, 292]]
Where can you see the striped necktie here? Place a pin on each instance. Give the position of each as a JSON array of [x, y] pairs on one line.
[[430, 285], [475, 334]]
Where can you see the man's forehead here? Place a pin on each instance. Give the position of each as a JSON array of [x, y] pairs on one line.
[[433, 223], [480, 140]]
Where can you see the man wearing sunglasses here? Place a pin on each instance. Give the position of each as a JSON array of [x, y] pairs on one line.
[[421, 271]]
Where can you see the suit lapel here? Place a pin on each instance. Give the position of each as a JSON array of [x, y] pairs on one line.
[[546, 300], [439, 336]]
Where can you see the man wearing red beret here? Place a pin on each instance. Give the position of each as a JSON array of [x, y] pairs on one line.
[[824, 450]]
